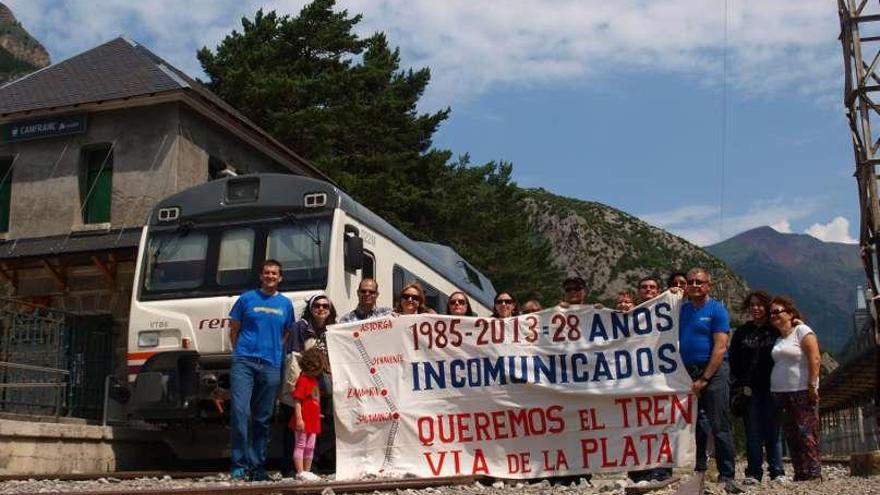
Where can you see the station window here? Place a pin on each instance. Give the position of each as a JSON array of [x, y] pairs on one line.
[[236, 257], [96, 183], [369, 269], [5, 191]]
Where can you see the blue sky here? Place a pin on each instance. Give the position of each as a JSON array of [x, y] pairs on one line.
[[627, 103]]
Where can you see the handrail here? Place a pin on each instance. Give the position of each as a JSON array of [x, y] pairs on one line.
[[63, 376], [30, 367]]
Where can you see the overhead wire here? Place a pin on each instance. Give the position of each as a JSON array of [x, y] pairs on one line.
[[723, 120]]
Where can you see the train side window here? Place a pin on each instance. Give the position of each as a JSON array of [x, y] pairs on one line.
[[399, 280], [471, 274], [176, 261], [369, 268], [236, 257], [434, 299]]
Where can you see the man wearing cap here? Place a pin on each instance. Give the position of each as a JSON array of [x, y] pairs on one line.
[[575, 291]]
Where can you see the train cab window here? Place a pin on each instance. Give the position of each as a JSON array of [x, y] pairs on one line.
[[302, 249], [369, 268], [236, 257], [176, 261]]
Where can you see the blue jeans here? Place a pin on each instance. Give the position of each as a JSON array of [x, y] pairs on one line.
[[713, 417], [254, 387], [762, 433]]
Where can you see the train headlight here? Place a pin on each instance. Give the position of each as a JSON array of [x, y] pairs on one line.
[[148, 339]]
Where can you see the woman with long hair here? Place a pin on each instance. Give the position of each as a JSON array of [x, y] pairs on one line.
[[412, 300], [505, 305], [794, 383], [458, 304], [750, 368]]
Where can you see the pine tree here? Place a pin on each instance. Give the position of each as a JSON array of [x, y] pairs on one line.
[[345, 104]]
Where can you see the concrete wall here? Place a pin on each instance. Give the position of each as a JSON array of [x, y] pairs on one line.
[[223, 145], [55, 448], [46, 173]]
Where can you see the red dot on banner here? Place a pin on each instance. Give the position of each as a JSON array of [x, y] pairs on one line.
[[357, 334], [384, 392], [396, 415], [373, 371]]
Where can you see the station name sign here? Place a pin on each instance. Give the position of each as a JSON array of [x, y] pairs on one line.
[[24, 130]]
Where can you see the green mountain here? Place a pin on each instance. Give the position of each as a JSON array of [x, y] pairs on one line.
[[612, 250], [820, 276], [20, 53]]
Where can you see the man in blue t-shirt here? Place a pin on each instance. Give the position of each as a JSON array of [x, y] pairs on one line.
[[704, 330], [260, 320]]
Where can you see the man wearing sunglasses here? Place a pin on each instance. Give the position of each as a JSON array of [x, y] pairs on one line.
[[704, 333], [368, 293], [574, 292]]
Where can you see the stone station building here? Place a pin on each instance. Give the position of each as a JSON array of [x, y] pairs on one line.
[[88, 145]]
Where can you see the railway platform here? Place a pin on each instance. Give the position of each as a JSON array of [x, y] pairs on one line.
[[40, 444]]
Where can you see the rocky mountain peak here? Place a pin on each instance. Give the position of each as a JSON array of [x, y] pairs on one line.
[[6, 15], [20, 53]]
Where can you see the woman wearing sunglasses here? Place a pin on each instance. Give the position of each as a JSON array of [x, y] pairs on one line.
[[412, 301], [310, 331], [794, 383], [459, 305], [505, 306]]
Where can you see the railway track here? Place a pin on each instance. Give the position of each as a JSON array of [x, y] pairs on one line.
[[211, 484], [280, 487]]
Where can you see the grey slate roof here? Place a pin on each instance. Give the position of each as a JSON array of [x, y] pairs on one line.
[[116, 69]]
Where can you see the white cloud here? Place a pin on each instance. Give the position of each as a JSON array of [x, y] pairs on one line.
[[472, 47], [837, 230], [782, 226], [703, 225]]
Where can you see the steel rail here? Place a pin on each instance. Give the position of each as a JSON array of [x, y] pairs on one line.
[[294, 488]]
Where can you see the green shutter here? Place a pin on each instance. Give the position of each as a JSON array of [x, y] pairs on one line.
[[98, 186], [5, 192]]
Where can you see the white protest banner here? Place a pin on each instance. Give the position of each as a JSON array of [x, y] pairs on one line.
[[560, 392]]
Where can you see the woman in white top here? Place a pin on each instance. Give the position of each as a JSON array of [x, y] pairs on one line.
[[794, 383]]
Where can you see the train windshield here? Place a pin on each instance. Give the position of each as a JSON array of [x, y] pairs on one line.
[[196, 262]]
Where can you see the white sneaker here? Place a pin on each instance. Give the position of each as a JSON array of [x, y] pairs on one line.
[[781, 479], [307, 476], [750, 481]]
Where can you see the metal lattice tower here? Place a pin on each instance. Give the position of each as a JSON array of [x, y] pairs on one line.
[[860, 37]]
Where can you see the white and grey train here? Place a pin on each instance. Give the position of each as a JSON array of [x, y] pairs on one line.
[[203, 246]]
